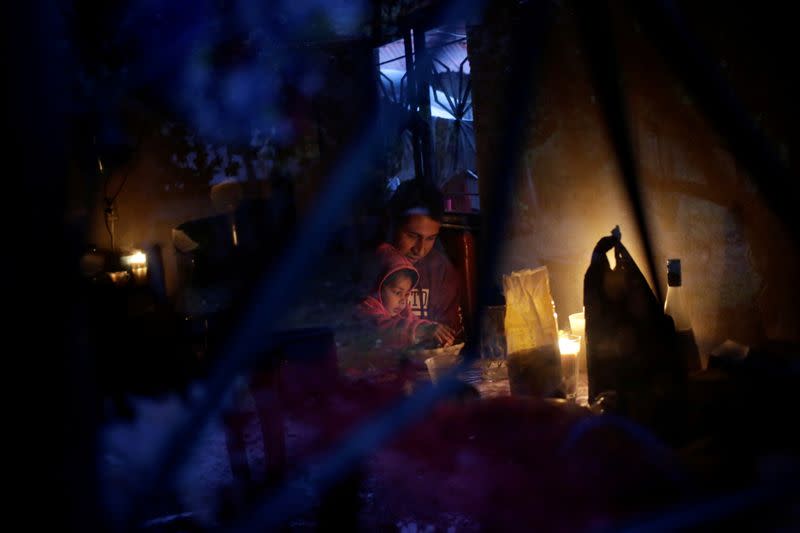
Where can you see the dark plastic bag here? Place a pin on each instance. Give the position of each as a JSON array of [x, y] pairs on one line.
[[630, 343]]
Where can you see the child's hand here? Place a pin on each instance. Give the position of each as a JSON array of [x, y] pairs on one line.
[[439, 333]]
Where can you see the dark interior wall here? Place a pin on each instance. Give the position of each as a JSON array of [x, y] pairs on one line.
[[703, 206], [342, 111], [217, 72], [753, 45], [706, 200], [158, 193], [565, 196], [156, 197]]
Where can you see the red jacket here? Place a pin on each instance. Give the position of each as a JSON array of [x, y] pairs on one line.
[[395, 331]]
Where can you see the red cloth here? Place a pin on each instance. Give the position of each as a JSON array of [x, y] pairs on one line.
[[395, 331], [436, 295]]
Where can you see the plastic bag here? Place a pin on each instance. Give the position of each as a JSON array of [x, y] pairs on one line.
[[630, 344]]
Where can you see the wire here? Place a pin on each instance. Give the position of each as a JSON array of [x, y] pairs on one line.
[[109, 212], [112, 199]]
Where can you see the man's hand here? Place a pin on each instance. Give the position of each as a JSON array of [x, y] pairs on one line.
[[439, 333]]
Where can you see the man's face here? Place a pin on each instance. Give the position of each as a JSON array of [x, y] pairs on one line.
[[416, 237]]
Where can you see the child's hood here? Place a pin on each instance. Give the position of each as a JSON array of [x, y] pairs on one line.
[[389, 261]]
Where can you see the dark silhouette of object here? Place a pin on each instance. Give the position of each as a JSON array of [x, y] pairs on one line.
[[300, 367], [631, 344], [135, 338]]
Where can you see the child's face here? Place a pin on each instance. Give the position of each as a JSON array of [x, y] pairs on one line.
[[394, 294]]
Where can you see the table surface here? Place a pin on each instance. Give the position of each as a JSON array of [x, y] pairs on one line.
[[491, 380]]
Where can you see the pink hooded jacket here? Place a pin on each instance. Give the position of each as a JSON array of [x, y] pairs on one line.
[[396, 331]]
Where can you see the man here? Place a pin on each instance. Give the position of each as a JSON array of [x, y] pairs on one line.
[[416, 212]]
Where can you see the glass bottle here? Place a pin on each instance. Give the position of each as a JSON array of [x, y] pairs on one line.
[[675, 307]]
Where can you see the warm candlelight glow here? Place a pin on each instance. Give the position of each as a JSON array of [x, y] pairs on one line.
[[118, 277], [137, 258], [568, 344], [139, 272]]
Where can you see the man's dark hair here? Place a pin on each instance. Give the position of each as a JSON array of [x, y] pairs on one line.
[[416, 194]]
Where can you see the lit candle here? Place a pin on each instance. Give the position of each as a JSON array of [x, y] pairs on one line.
[[137, 261], [139, 273], [118, 277], [137, 258], [569, 346], [577, 323]]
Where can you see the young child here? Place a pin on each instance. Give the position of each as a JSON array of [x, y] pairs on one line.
[[388, 310]]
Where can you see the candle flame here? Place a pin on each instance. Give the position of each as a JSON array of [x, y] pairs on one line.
[[568, 344], [137, 258]]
